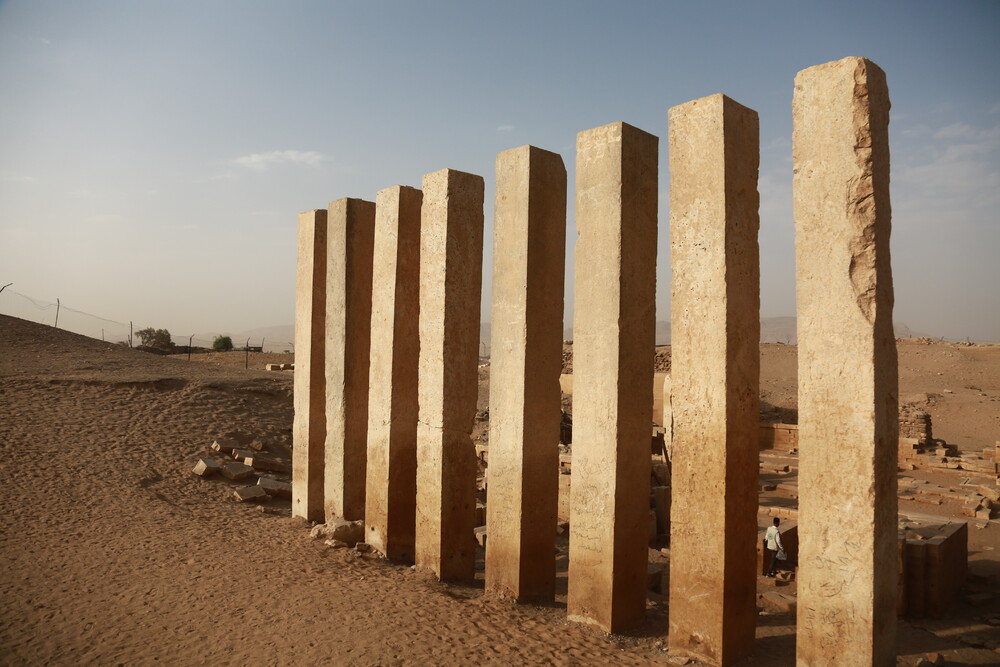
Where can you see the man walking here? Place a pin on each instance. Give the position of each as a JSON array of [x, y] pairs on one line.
[[773, 542]]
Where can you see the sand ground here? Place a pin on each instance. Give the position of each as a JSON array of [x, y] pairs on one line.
[[114, 553]]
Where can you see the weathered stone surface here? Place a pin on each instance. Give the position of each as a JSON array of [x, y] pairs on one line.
[[715, 334], [451, 259], [529, 250], [225, 445], [350, 238], [241, 454], [336, 528], [390, 504], [259, 462], [848, 380], [309, 426], [236, 471], [206, 468], [275, 488], [615, 284], [246, 494]]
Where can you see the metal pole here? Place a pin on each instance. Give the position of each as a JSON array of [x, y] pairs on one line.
[[57, 312], [130, 333], [190, 338], [247, 347]]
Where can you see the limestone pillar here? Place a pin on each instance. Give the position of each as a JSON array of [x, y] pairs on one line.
[[350, 237], [451, 261], [529, 252], [848, 380], [613, 347], [390, 504], [715, 360], [309, 425]]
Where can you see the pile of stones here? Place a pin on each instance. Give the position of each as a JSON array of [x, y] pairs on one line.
[[247, 464]]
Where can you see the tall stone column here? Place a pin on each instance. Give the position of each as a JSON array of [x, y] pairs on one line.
[[613, 348], [350, 238], [390, 505], [451, 262], [529, 253], [848, 376], [715, 362], [309, 424]]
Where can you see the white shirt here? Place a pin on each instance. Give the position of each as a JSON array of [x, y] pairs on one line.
[[773, 537]]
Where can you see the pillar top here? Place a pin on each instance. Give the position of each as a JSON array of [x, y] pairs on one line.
[[718, 99], [610, 132], [857, 62]]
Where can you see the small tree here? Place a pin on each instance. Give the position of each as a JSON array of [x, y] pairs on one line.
[[155, 340], [222, 344]]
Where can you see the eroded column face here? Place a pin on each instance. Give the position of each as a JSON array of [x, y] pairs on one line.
[[451, 260], [529, 251], [613, 348], [309, 425], [715, 335], [350, 238], [390, 505], [848, 378]]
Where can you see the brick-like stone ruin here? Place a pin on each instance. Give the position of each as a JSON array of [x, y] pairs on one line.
[[387, 344]]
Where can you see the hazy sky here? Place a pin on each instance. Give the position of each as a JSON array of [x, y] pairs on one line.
[[154, 155]]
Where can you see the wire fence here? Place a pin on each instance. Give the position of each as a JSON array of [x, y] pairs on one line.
[[65, 317]]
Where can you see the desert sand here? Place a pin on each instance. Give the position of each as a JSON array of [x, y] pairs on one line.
[[115, 553]]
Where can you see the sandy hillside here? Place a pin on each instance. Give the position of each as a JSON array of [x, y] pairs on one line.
[[114, 553]]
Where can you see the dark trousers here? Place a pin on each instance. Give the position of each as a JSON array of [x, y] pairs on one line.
[[772, 562]]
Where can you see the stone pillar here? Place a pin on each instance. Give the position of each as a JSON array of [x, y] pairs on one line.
[[451, 261], [309, 425], [350, 237], [390, 504], [529, 253], [848, 379], [613, 348], [715, 361]]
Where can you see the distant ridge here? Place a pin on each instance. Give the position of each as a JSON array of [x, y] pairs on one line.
[[281, 337], [772, 330]]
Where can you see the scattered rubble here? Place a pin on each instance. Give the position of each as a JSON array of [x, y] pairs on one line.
[[350, 532]]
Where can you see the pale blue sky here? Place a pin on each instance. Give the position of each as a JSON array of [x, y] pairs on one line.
[[154, 155]]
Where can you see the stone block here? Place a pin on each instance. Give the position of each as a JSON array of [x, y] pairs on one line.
[[783, 602], [350, 532], [259, 462], [225, 445], [480, 532], [275, 488], [241, 453], [848, 380], [246, 494], [206, 467], [272, 367], [480, 513], [236, 471]]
